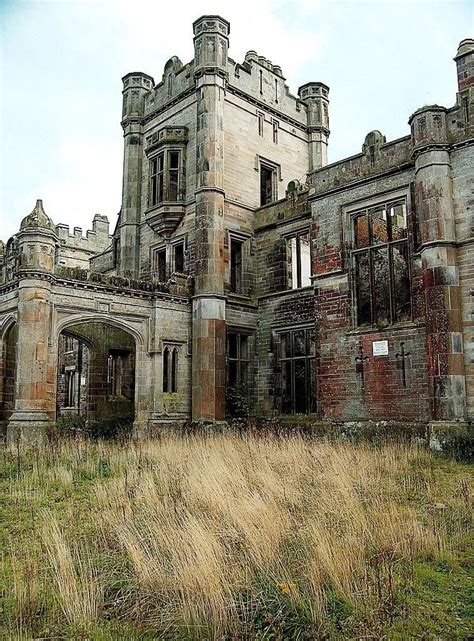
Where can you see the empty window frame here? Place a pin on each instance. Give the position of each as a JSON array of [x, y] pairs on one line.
[[165, 177], [170, 369], [298, 260], [380, 261], [159, 264], [178, 257], [236, 265], [268, 183], [297, 350]]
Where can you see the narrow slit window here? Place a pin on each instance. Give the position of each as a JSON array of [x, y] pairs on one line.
[[236, 265], [267, 184], [275, 131], [173, 174]]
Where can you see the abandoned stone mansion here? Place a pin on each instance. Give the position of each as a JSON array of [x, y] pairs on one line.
[[245, 274]]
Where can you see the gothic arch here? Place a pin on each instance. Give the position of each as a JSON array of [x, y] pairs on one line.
[[78, 319]]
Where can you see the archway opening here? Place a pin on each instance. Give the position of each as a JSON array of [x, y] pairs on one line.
[[7, 374], [96, 379]]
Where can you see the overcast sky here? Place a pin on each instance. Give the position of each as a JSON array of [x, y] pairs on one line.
[[62, 63]]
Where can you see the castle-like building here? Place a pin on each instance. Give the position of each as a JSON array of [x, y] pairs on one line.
[[245, 274]]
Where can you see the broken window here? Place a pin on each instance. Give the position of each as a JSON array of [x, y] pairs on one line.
[[267, 183], [165, 177], [298, 257], [296, 364], [236, 265], [381, 264], [170, 369]]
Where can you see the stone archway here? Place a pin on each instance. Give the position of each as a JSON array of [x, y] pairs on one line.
[[113, 359], [8, 339]]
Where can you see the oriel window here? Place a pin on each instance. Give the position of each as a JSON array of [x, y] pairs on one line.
[[165, 177], [380, 261]]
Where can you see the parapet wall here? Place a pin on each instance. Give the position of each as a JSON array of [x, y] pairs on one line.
[[76, 249]]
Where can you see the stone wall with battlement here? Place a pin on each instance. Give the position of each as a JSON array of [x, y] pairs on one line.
[[76, 250]]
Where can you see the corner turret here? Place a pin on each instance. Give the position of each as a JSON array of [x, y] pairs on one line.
[[315, 96]]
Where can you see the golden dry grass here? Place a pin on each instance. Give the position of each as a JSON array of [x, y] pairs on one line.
[[239, 536]]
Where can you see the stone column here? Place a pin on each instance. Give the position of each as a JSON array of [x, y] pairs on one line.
[[34, 407], [315, 96], [434, 208], [135, 87], [211, 45]]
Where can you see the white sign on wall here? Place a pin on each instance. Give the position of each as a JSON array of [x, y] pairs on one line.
[[380, 348]]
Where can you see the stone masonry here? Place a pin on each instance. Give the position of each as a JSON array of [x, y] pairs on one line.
[[244, 272]]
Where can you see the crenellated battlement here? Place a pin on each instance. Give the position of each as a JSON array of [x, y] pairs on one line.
[[76, 249]]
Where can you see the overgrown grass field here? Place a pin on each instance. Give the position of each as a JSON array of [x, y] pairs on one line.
[[235, 537]]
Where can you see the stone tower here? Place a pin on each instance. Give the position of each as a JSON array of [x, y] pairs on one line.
[[34, 381], [211, 42], [135, 87], [315, 97]]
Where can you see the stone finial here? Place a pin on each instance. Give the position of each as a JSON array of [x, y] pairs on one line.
[[38, 219]]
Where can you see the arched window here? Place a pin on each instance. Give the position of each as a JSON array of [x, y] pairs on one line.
[[170, 369], [174, 370], [166, 369]]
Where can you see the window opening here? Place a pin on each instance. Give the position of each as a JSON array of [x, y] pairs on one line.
[[170, 369], [236, 265], [298, 260], [179, 258], [267, 184], [164, 177], [275, 131], [297, 350], [160, 264], [381, 264]]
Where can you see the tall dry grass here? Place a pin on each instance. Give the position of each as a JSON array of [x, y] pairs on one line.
[[227, 534]]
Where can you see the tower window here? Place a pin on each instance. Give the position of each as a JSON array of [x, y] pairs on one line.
[[267, 184], [165, 177], [261, 120], [275, 131]]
